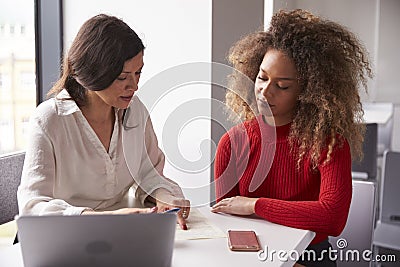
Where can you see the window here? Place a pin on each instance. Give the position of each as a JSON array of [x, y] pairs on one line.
[[27, 80], [6, 135], [5, 82], [17, 72], [25, 126]]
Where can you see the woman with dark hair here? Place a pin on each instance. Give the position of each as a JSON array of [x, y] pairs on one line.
[[76, 161], [302, 125]]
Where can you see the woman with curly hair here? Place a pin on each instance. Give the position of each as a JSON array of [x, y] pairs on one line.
[[299, 143]]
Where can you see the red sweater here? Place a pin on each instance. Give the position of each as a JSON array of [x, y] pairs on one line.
[[313, 199]]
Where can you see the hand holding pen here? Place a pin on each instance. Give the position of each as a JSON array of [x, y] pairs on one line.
[[177, 211], [172, 210], [166, 201], [181, 217]]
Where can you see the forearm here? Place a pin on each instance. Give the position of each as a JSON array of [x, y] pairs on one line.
[[41, 205], [318, 216]]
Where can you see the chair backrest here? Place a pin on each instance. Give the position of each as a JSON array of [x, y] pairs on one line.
[[389, 204], [360, 224], [381, 113], [369, 163], [10, 177]]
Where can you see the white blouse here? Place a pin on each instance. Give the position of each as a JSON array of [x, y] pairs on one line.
[[68, 170]]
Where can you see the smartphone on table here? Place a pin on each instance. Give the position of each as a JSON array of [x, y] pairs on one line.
[[243, 240]]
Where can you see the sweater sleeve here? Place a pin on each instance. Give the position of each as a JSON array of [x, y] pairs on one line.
[[326, 215], [226, 180]]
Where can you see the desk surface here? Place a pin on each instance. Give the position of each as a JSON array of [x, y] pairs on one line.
[[215, 252]]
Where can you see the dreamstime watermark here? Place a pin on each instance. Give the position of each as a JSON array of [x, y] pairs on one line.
[[341, 254]]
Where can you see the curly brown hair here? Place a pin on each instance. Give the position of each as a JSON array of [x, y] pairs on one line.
[[331, 63]]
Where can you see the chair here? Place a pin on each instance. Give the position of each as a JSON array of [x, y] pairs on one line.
[[381, 113], [360, 224], [10, 177], [367, 168], [387, 231]]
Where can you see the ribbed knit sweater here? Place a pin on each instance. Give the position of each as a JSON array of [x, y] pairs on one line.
[[313, 199]]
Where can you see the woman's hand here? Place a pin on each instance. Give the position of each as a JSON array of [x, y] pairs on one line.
[[165, 201], [121, 211], [236, 205], [181, 203]]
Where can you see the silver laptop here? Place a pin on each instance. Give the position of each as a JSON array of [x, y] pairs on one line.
[[97, 240]]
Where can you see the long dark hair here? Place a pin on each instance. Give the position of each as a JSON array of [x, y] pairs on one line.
[[97, 56]]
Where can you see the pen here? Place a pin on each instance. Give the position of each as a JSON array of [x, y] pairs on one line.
[[172, 210]]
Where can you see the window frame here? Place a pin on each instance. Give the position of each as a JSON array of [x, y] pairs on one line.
[[48, 45]]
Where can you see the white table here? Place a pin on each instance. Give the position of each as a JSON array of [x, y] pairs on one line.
[[215, 252]]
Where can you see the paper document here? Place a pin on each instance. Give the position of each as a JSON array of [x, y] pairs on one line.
[[198, 228]]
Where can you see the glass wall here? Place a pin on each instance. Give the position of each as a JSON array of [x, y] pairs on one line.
[[17, 72]]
